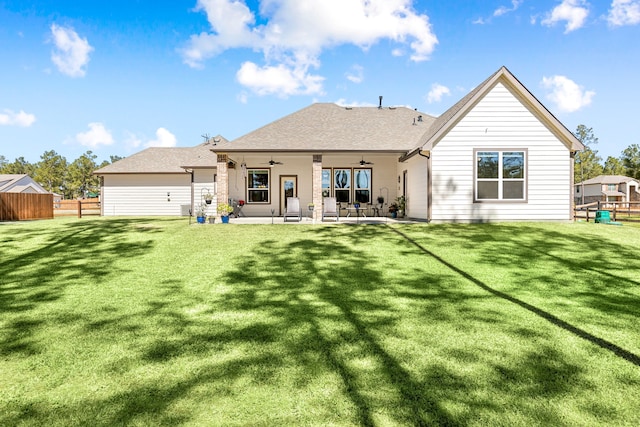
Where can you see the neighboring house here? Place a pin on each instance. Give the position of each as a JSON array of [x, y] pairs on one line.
[[158, 181], [607, 188], [19, 183], [496, 155]]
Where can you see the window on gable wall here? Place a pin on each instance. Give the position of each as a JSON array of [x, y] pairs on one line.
[[501, 175]]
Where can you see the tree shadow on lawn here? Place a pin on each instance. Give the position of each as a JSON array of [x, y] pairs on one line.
[[82, 251], [549, 243], [324, 284], [319, 302], [588, 276]]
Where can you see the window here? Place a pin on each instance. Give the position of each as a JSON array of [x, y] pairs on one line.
[[258, 186], [612, 187], [342, 185], [500, 175], [326, 182], [362, 185]]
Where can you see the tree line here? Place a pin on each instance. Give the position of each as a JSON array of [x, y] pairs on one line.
[[588, 164], [57, 175]]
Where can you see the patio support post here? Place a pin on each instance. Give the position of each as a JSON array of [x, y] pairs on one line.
[[222, 195], [317, 186]]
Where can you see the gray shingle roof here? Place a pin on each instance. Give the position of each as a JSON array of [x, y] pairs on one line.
[[607, 179], [326, 127], [165, 160]]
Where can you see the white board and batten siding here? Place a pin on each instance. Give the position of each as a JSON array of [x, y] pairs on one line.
[[501, 121], [146, 194]]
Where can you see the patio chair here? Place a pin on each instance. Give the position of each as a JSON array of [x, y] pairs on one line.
[[293, 209], [330, 208]]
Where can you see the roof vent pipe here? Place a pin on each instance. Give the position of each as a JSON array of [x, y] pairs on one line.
[[380, 97]]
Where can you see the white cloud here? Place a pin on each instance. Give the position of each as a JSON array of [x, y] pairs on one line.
[[281, 80], [437, 92], [624, 12], [574, 12], [71, 53], [164, 138], [292, 34], [11, 118], [355, 74], [566, 94], [503, 10], [96, 136], [343, 103]]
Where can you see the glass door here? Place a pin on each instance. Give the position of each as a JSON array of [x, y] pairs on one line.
[[288, 188]]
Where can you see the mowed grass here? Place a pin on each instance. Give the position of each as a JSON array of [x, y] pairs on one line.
[[157, 322]]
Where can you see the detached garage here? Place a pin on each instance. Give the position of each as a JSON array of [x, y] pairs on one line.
[[158, 181]]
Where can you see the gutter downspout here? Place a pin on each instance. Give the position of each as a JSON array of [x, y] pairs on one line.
[[429, 188]]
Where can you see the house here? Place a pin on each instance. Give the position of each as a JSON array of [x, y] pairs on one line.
[[496, 155], [19, 183], [607, 188]]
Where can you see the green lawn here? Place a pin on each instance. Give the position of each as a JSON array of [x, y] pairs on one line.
[[157, 322]]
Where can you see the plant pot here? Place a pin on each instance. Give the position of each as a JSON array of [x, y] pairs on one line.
[[394, 214], [208, 202], [225, 219], [212, 220], [200, 219]]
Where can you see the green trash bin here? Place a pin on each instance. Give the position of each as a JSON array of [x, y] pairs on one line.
[[603, 216]]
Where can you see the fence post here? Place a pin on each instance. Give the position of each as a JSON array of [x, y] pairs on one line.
[[615, 205], [79, 202]]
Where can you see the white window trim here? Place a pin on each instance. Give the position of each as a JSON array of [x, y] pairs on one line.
[[500, 178]]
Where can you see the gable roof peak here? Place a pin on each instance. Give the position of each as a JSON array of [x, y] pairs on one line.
[[446, 121]]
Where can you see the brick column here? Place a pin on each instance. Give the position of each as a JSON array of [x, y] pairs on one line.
[[222, 195], [317, 186]]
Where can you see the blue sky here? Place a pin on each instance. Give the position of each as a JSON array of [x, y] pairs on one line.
[[117, 76]]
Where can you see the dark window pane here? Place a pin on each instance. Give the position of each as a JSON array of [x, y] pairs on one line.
[[487, 164], [362, 196], [513, 190], [342, 196], [258, 196], [487, 189]]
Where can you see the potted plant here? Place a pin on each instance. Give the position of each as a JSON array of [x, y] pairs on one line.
[[224, 209], [393, 210], [208, 198], [401, 202], [380, 200], [201, 213], [310, 206]]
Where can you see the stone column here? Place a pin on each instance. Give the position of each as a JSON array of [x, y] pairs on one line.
[[317, 186], [222, 195]]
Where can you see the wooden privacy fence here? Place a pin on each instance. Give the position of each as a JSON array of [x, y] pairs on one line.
[[80, 207], [619, 211], [21, 206]]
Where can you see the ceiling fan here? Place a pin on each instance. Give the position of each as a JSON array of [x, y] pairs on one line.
[[273, 162], [364, 162]]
